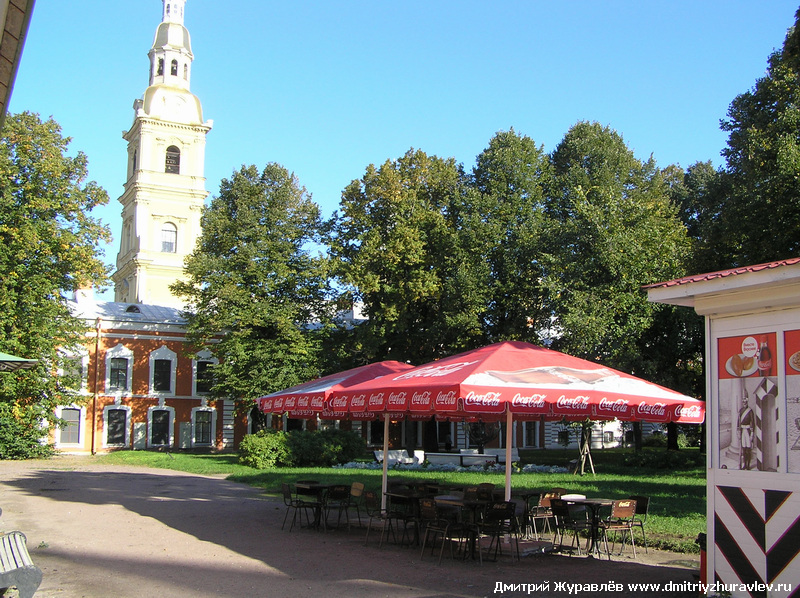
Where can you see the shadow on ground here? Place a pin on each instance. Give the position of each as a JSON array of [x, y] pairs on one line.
[[131, 532]]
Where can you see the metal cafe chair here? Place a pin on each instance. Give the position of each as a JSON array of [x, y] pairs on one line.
[[372, 507], [338, 499], [295, 505], [435, 525], [500, 520], [541, 511], [569, 520], [621, 520], [642, 507], [356, 497]]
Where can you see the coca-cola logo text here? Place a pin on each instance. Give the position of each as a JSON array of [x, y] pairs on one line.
[[572, 402], [618, 406], [485, 399], [396, 398], [691, 412], [421, 398], [341, 403], [375, 399], [533, 401], [656, 409], [434, 371], [446, 399]]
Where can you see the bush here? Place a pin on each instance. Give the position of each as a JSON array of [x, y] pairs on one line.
[[345, 446], [664, 459], [308, 449], [271, 448], [265, 449], [20, 439]]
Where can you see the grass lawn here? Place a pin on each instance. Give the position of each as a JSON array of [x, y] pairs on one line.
[[677, 497]]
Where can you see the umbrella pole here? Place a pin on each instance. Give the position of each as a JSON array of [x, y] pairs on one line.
[[509, 438], [385, 480]]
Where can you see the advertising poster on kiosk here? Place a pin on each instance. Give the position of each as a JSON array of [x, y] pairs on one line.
[[748, 412], [792, 343]]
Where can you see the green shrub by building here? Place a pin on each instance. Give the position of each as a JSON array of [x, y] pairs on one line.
[[271, 448]]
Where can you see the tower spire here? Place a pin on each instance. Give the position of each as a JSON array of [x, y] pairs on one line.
[[171, 55], [165, 189], [173, 11]]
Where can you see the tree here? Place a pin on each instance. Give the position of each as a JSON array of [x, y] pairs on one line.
[[760, 221], [256, 291], [507, 225], [613, 228], [398, 248], [48, 242]]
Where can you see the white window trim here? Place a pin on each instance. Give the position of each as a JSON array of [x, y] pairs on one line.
[[213, 411], [108, 408], [171, 425], [164, 353], [81, 427], [122, 352], [204, 355]]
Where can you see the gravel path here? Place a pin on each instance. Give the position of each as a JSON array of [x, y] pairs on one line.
[[118, 532]]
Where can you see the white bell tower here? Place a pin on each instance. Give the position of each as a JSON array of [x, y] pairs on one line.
[[165, 188]]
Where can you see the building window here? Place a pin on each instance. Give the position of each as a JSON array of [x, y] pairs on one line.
[[116, 426], [160, 67], [531, 430], [69, 432], [174, 68], [163, 364], [162, 375], [203, 380], [118, 374], [172, 164], [119, 363], [169, 238], [564, 437], [160, 424], [203, 424], [375, 432]]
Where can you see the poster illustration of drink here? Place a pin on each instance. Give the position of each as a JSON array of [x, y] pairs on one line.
[[748, 391], [791, 341]]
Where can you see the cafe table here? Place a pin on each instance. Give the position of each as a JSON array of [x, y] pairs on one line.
[[318, 491], [408, 497], [594, 504], [471, 523]]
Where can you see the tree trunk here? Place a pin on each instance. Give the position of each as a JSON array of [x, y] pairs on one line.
[[430, 437], [410, 440], [672, 437], [637, 436]]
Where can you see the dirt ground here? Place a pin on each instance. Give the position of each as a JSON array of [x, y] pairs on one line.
[[119, 532]]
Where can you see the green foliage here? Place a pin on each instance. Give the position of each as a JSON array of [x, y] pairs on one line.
[[255, 285], [299, 448], [398, 248], [664, 459], [20, 439], [48, 245], [506, 226], [759, 219], [612, 229], [265, 449]]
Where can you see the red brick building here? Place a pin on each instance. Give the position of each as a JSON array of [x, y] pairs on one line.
[[144, 385]]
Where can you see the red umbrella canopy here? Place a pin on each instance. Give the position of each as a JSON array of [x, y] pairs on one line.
[[528, 380], [310, 399]]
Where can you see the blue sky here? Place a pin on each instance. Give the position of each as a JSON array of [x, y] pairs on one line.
[[326, 88]]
